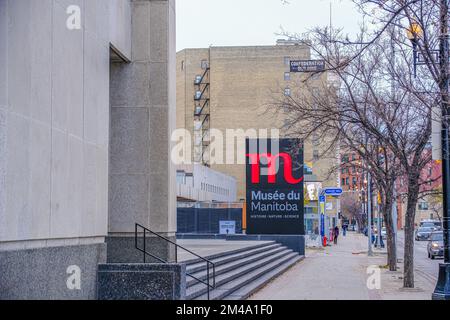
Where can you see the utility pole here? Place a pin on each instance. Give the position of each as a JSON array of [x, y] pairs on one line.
[[395, 219], [442, 291], [369, 214]]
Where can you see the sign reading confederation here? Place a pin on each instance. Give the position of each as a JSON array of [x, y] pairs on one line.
[[274, 187], [307, 65]]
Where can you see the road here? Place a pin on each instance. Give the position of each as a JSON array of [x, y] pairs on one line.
[[423, 266]]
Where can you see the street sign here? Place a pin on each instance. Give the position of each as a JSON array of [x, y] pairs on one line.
[[322, 199], [227, 227], [333, 192], [307, 65]]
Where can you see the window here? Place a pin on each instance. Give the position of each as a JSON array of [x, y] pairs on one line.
[[287, 76], [345, 158], [343, 181], [198, 79], [346, 181], [316, 155], [287, 61], [287, 92], [423, 206], [181, 177], [182, 65], [204, 64], [354, 181]]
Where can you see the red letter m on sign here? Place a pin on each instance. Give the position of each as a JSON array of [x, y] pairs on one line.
[[255, 162]]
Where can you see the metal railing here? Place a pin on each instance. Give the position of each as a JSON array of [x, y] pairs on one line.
[[145, 253]]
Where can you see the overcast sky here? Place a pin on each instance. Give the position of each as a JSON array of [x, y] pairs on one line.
[[201, 23]]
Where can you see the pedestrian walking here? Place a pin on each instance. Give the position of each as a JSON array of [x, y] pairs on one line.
[[336, 234], [344, 230]]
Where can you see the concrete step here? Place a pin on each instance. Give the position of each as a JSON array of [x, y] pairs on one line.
[[199, 289], [249, 281], [194, 268], [232, 264], [246, 291], [199, 261]]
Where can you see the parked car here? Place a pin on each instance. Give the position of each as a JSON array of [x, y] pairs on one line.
[[436, 224], [435, 246], [424, 233]]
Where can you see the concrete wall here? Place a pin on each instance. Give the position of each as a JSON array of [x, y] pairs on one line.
[[205, 184], [54, 115], [120, 26], [142, 176]]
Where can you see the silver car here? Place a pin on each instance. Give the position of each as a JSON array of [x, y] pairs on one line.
[[435, 246], [424, 233]]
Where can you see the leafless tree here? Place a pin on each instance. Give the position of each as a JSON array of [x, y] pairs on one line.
[[375, 107]]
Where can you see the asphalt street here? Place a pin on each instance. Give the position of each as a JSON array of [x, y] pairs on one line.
[[423, 266]]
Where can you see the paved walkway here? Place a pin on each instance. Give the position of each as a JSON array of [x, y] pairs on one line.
[[340, 273]]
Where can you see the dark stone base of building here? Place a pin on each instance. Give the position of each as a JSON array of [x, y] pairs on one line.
[[141, 282], [42, 274], [123, 249]]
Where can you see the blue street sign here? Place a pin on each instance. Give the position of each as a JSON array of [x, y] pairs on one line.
[[333, 192], [322, 199]]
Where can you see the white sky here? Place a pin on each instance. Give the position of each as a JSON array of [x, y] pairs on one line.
[[201, 23]]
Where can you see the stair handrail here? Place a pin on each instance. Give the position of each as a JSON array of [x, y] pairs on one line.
[[146, 253]]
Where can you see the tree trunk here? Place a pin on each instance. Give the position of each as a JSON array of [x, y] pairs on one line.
[[387, 216], [413, 194], [390, 236]]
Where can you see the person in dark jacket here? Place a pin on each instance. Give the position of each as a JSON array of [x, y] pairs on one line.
[[336, 234]]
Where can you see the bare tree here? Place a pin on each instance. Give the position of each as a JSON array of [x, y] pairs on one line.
[[351, 208], [375, 108]]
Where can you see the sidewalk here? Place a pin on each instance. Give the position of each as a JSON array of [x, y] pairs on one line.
[[340, 273]]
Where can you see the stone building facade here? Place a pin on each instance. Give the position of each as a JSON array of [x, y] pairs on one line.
[[236, 86], [87, 104]]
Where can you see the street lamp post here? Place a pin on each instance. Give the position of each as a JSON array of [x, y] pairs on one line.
[[369, 214], [442, 291]]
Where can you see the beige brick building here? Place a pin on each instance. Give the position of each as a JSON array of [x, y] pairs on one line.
[[224, 88]]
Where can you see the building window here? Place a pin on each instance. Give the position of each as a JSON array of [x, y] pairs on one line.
[[287, 76], [287, 61], [343, 181], [354, 181], [346, 181], [182, 65], [204, 64], [316, 155], [344, 158], [423, 206], [287, 92]]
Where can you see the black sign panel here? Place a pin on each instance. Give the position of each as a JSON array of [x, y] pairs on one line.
[[307, 65], [274, 173]]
